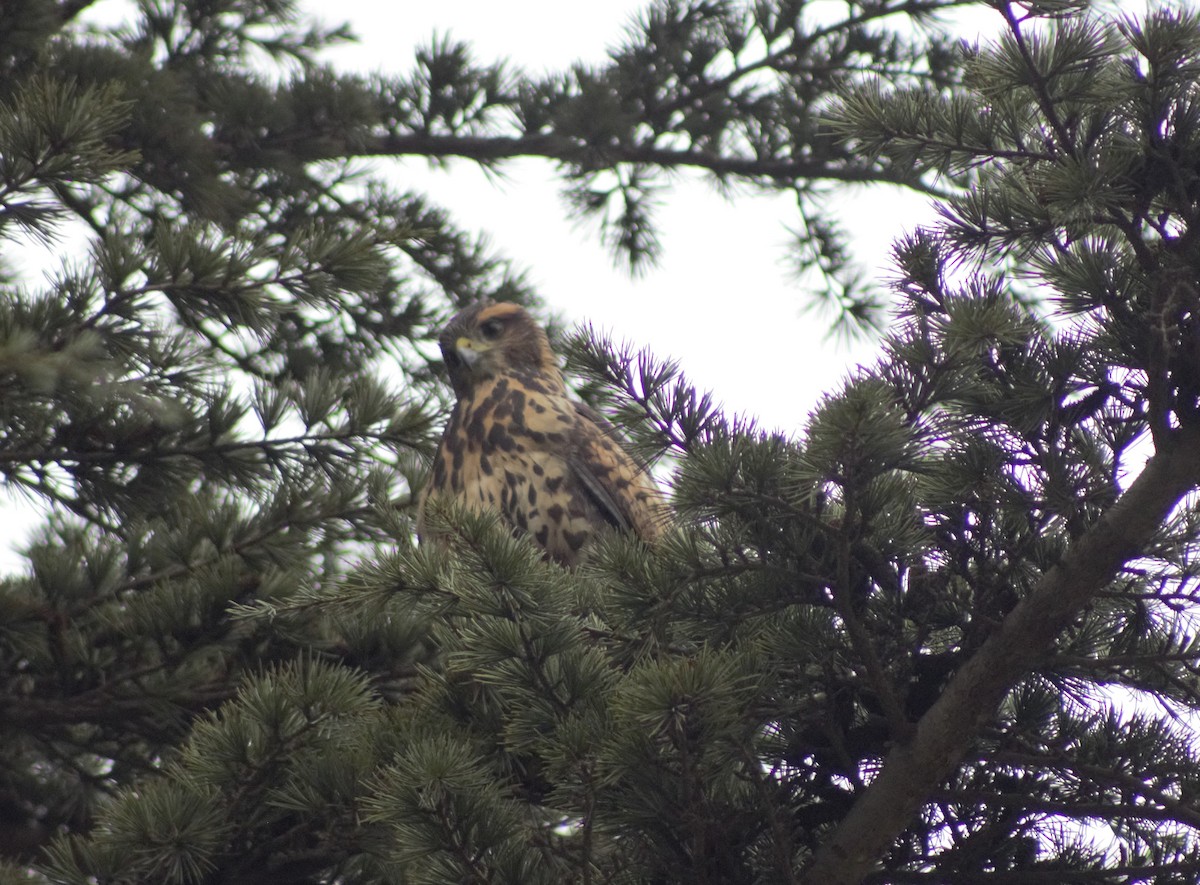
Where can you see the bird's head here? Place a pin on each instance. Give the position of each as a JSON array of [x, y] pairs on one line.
[[487, 340]]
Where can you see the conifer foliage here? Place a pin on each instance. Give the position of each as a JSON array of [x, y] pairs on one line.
[[943, 633]]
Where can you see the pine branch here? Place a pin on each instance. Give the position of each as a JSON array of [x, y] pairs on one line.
[[277, 449], [491, 149], [913, 770], [1135, 784], [1080, 811], [1118, 874]]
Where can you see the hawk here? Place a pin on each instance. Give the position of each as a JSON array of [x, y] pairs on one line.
[[516, 443]]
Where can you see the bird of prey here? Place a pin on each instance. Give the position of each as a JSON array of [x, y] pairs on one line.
[[517, 444]]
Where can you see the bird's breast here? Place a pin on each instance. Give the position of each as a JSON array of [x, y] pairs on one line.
[[507, 449]]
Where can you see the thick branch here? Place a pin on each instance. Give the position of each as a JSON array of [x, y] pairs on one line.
[[490, 149], [913, 770]]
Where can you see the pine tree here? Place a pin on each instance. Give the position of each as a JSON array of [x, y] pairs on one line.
[[906, 645]]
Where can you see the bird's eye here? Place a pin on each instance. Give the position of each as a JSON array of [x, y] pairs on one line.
[[491, 329]]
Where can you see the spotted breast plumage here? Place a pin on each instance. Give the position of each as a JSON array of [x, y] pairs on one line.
[[516, 443]]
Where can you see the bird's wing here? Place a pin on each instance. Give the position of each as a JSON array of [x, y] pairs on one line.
[[620, 487]]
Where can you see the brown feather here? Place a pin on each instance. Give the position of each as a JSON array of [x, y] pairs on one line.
[[516, 442]]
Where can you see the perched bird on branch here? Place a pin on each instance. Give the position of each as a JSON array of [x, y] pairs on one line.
[[517, 444]]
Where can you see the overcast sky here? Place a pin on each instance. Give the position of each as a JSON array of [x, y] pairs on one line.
[[720, 301]]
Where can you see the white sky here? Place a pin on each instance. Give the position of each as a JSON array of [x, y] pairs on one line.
[[720, 301]]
